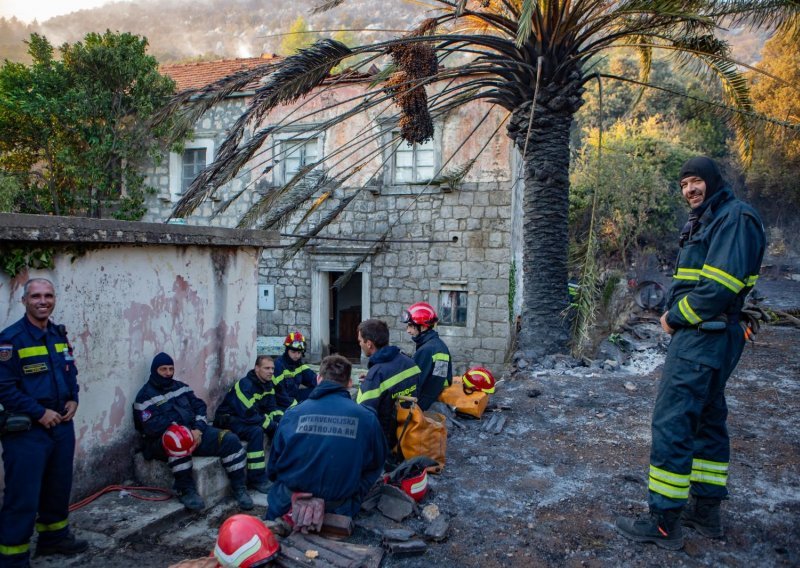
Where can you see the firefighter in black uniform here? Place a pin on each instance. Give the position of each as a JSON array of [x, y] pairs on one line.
[[721, 250], [38, 379]]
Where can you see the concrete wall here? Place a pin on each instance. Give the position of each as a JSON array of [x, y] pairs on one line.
[[475, 219], [124, 302]]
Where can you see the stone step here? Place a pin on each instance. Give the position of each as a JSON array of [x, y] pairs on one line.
[[209, 476]]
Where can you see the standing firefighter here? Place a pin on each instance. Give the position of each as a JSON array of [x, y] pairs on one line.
[[38, 380], [721, 250], [294, 380], [432, 355]]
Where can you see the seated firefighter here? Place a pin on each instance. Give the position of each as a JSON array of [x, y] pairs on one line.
[[249, 411], [391, 374], [163, 401], [329, 447], [293, 378]]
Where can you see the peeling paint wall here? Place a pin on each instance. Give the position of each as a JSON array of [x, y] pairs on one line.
[[121, 306]]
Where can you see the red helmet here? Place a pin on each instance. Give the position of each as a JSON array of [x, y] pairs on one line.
[[295, 341], [416, 487], [177, 441], [245, 542], [421, 313], [478, 379]]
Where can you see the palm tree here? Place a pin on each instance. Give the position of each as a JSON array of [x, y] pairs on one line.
[[532, 58]]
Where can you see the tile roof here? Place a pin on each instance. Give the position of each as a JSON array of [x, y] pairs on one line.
[[202, 73]]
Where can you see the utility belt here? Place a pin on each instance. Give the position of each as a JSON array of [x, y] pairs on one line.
[[719, 323], [12, 422]]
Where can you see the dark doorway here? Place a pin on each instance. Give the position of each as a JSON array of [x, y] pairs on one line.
[[345, 316]]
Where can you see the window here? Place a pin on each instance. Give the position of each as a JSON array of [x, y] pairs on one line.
[[184, 167], [453, 307], [296, 153], [415, 163], [192, 163]]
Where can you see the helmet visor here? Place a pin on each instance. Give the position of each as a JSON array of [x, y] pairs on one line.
[[406, 317]]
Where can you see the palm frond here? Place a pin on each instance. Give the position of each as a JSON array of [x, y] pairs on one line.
[[327, 5], [269, 199], [314, 206], [525, 23], [342, 281]]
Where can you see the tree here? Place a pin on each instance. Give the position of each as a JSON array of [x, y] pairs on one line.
[[533, 59], [74, 132], [297, 37]]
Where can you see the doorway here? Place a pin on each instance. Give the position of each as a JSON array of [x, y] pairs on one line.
[[345, 315]]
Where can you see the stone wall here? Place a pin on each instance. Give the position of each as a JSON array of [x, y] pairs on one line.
[[126, 291]]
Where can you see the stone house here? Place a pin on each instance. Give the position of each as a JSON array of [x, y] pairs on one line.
[[453, 245]]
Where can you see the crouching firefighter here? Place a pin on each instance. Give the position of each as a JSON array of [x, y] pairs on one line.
[[721, 250], [162, 402]]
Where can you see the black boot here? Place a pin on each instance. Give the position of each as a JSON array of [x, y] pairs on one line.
[[69, 546], [191, 499], [260, 486], [242, 497], [662, 528], [702, 515]]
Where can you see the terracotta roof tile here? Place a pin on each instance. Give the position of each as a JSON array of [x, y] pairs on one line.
[[202, 73]]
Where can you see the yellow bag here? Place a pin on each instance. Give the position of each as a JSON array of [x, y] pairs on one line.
[[420, 433], [473, 404]]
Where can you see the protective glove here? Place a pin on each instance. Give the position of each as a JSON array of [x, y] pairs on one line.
[[307, 512], [750, 319]]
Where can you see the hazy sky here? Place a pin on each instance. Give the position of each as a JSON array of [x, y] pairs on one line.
[[41, 10]]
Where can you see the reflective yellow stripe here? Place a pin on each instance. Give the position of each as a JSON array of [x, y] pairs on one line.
[[706, 465], [441, 357], [294, 403], [678, 479], [713, 473], [688, 312], [687, 274], [710, 478], [19, 549], [248, 402], [751, 280], [265, 423], [52, 527], [386, 385], [257, 465], [275, 413], [32, 351], [668, 490], [252, 455], [287, 373], [61, 347], [730, 282]]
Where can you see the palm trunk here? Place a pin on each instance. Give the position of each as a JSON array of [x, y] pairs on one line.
[[545, 329]]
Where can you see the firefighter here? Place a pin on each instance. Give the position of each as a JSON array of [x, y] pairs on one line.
[[293, 378], [432, 355], [38, 380], [329, 447], [163, 401], [391, 374], [249, 410], [720, 256]]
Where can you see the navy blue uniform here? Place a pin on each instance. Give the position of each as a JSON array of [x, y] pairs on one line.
[[436, 370], [164, 401], [717, 266], [328, 446], [37, 372], [391, 374], [288, 379], [250, 411]]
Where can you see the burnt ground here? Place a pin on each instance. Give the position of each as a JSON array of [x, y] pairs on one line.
[[572, 456]]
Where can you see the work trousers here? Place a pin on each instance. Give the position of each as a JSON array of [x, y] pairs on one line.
[[38, 481], [690, 445], [254, 435]]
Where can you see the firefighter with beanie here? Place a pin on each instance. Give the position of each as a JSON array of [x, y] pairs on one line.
[[431, 356], [163, 401], [38, 386], [293, 378], [249, 410], [721, 247], [327, 448]]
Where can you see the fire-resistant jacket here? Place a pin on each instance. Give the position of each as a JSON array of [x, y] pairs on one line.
[[37, 370], [328, 446], [288, 377], [436, 370], [391, 374], [718, 264], [251, 401], [161, 402]]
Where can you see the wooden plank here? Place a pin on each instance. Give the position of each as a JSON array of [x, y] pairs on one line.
[[325, 553]]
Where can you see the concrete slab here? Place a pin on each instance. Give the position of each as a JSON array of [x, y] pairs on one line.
[[209, 476]]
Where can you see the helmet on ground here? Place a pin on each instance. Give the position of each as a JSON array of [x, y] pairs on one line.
[[416, 486], [478, 379], [295, 341], [177, 441], [244, 542], [421, 313], [412, 476]]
